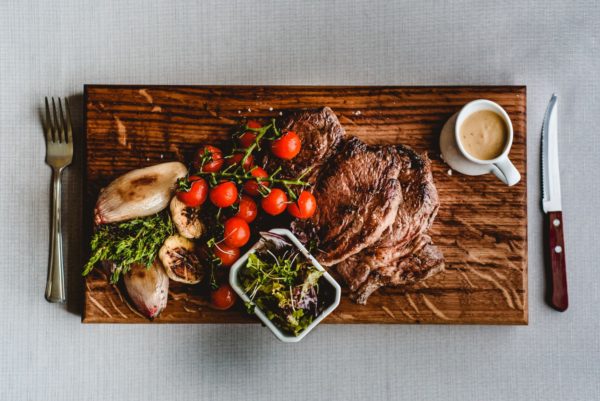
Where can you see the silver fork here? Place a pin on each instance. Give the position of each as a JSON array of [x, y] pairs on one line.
[[59, 154]]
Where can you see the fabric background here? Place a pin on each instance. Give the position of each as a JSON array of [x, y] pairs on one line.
[[54, 47]]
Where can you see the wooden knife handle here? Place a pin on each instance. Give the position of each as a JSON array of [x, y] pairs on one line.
[[559, 297]]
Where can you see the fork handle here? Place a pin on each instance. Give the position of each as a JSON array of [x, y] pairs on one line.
[[55, 284]]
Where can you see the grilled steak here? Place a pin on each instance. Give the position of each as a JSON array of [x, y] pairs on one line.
[[358, 193], [375, 204], [420, 201], [321, 134], [403, 254], [424, 260]]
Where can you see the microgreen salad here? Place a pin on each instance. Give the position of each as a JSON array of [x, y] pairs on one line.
[[284, 285]]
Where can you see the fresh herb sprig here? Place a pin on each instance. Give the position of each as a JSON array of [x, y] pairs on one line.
[[213, 260], [128, 243]]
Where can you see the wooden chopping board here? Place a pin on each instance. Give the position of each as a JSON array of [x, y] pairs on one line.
[[481, 226]]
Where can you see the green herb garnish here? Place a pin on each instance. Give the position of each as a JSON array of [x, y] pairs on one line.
[[129, 242]]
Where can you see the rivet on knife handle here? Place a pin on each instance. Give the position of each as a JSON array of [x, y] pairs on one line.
[[559, 297]]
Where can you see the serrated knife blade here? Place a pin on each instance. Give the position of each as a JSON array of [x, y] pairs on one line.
[[551, 197], [552, 206]]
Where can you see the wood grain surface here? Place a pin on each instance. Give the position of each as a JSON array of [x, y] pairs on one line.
[[481, 226]]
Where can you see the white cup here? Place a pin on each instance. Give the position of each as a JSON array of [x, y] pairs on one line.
[[501, 166]]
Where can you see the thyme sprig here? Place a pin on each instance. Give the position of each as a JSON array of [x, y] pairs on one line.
[[127, 243]]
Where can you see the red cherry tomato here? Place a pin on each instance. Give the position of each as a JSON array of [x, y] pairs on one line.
[[253, 124], [211, 165], [236, 233], [223, 298], [274, 203], [252, 187], [287, 146], [224, 194], [237, 158], [304, 207], [196, 195], [227, 254], [247, 209], [248, 137]]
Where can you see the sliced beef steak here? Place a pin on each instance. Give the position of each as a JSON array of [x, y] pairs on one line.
[[321, 134], [375, 204], [422, 262], [358, 195], [416, 214], [403, 254]]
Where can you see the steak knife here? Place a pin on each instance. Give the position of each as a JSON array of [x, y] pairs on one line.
[[552, 206]]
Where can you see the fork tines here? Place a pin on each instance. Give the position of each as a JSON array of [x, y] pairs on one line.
[[58, 124]]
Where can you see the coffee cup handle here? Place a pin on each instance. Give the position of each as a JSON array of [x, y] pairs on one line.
[[506, 172]]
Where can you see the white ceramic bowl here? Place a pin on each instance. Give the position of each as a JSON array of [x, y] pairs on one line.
[[280, 334]]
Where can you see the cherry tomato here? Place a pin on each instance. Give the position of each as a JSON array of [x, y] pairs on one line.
[[224, 194], [252, 187], [247, 210], [304, 207], [227, 254], [215, 163], [248, 137], [223, 298], [287, 147], [237, 158], [274, 203], [253, 124], [196, 195], [237, 232]]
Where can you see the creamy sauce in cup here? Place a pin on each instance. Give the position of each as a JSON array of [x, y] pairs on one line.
[[483, 134]]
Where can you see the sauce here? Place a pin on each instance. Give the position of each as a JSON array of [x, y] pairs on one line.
[[483, 134]]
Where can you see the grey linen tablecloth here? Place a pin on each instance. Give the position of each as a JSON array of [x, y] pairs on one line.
[[54, 47]]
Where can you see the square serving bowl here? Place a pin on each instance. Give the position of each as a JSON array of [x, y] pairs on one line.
[[280, 334]]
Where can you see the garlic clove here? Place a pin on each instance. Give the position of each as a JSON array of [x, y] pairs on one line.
[[186, 219], [180, 260]]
